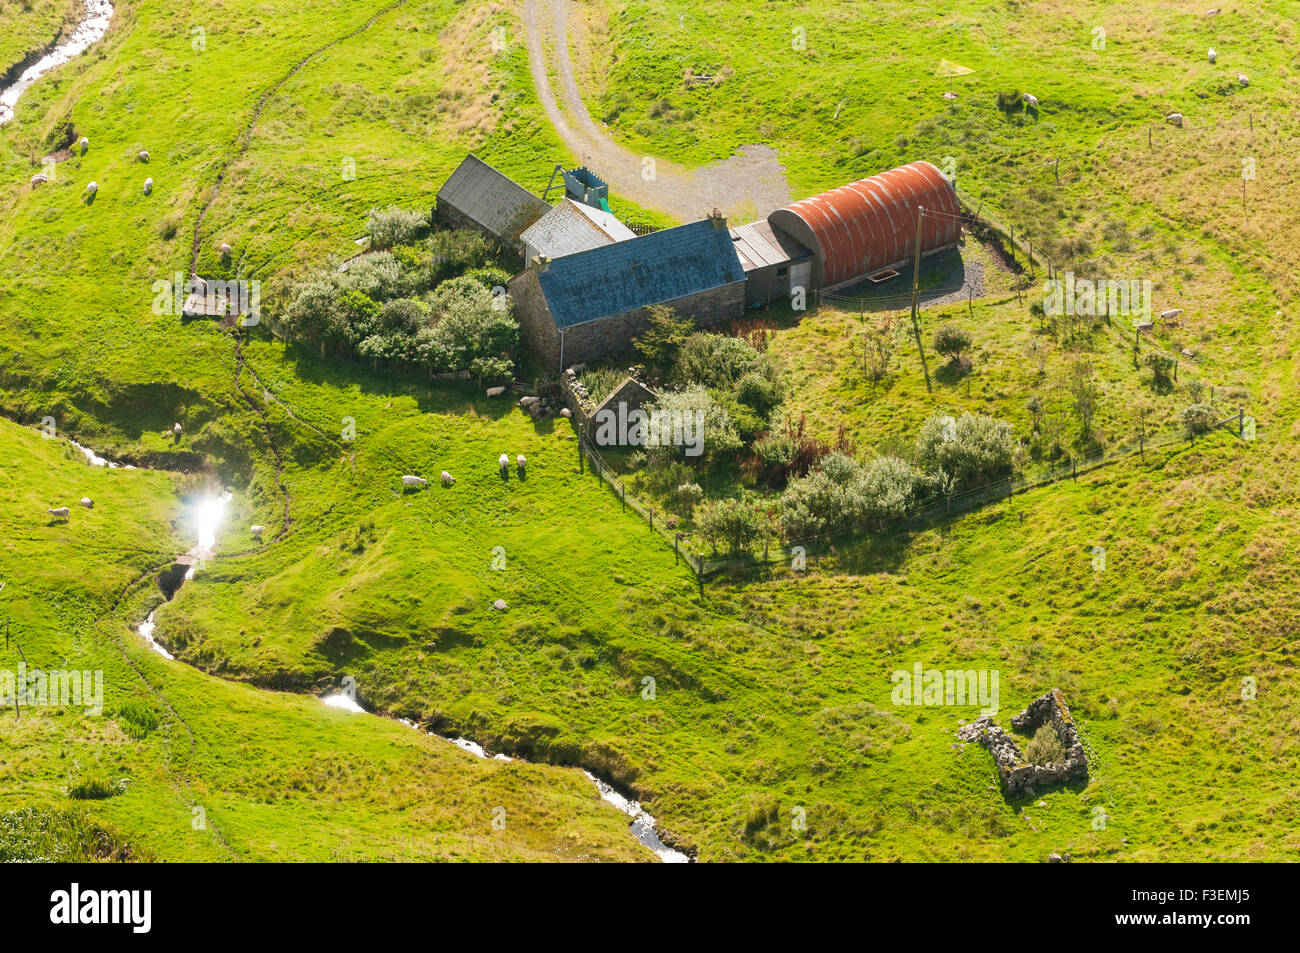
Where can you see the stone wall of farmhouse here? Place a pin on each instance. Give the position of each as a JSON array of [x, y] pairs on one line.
[[1019, 777], [536, 327], [607, 337], [448, 216]]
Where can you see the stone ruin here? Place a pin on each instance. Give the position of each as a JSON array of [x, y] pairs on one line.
[[1019, 778]]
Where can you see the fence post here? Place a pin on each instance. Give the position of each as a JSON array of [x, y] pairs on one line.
[[1241, 421], [622, 495], [652, 517], [1074, 469], [699, 572], [677, 556]]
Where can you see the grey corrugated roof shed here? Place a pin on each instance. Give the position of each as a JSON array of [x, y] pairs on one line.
[[497, 202], [761, 246], [651, 269], [570, 228]]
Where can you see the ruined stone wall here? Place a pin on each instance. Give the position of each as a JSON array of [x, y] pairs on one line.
[[1019, 777]]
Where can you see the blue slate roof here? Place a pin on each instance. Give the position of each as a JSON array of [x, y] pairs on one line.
[[651, 269]]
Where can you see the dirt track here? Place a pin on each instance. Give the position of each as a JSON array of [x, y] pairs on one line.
[[746, 186]]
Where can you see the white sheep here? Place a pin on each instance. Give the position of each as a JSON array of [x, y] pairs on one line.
[[87, 502], [92, 188], [448, 479], [521, 461], [1170, 314], [40, 178], [148, 186], [1243, 79], [528, 401], [1031, 100], [566, 412], [409, 480], [61, 512], [495, 391], [500, 605], [176, 430], [225, 250], [1175, 118], [503, 461], [257, 530], [1213, 55], [143, 155], [85, 144]]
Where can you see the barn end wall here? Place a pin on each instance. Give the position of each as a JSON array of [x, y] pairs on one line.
[[536, 327], [448, 216]]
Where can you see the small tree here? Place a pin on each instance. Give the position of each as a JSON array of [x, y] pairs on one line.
[[394, 226], [953, 341], [736, 524], [1045, 747], [661, 341]]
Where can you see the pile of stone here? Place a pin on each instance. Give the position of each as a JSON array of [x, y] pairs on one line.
[[1020, 778], [540, 407]]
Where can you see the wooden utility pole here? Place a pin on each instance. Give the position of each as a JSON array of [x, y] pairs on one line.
[[916, 294]]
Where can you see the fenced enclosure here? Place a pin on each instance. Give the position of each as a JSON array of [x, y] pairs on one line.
[[921, 516]]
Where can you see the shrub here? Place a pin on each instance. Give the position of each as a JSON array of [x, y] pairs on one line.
[[1045, 747], [952, 341], [736, 524], [1197, 419], [600, 382], [719, 361], [137, 719], [761, 394], [717, 437], [973, 450], [96, 787], [394, 226], [689, 494]]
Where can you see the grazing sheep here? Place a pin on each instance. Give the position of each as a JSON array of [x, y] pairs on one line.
[[448, 479], [1187, 353], [521, 461], [495, 391], [1031, 100], [503, 461], [1243, 79], [566, 412], [148, 186], [85, 144], [176, 430], [225, 250], [87, 502], [1213, 55], [1175, 118], [92, 188], [1170, 314], [61, 513], [143, 155], [40, 178], [528, 401], [409, 480], [257, 530]]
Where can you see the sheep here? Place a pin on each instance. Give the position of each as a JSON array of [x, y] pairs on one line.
[[495, 391], [526, 402], [1213, 56], [519, 459], [1170, 314], [500, 605], [176, 430], [448, 479], [1175, 118], [60, 513], [85, 145], [92, 188], [143, 155], [503, 461], [566, 412], [225, 250], [40, 178], [1243, 79], [148, 186], [87, 502], [1031, 100], [409, 480], [256, 530]]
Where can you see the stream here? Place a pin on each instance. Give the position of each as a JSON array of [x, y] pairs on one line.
[[208, 516], [88, 32]]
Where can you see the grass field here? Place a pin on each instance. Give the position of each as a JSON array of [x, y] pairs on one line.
[[771, 692], [30, 26]]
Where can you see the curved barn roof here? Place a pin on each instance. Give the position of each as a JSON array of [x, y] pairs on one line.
[[869, 225]]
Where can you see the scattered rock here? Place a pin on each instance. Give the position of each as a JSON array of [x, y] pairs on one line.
[[500, 605], [1053, 858]]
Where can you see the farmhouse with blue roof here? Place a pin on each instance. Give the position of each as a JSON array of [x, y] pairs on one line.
[[592, 304]]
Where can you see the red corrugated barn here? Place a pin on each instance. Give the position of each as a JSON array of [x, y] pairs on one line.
[[870, 225]]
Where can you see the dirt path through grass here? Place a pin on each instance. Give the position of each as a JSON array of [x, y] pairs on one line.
[[747, 186]]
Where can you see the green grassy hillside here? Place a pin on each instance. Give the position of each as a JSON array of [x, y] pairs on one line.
[[772, 692]]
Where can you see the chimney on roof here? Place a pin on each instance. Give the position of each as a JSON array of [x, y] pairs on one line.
[[543, 264], [718, 218]]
